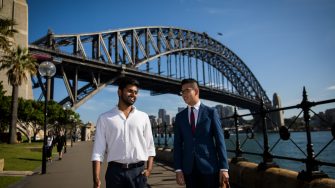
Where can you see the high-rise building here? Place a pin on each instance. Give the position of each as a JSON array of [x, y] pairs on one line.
[[159, 121], [219, 109], [330, 115], [153, 121], [277, 116], [173, 120], [167, 119], [161, 114], [227, 111]]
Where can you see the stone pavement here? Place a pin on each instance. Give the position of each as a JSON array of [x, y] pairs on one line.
[[75, 170]]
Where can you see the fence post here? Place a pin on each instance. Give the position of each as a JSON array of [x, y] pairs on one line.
[[165, 136], [312, 167], [158, 136], [267, 157], [238, 152]]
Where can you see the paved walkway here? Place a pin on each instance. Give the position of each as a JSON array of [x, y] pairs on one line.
[[75, 170]]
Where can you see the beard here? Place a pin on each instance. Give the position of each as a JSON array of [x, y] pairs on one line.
[[128, 100]]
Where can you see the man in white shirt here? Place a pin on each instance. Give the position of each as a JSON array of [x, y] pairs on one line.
[[124, 133]]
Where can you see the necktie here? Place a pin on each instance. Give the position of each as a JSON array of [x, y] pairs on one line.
[[192, 120]]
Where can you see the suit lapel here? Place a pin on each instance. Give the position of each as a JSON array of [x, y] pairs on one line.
[[201, 114], [186, 120]]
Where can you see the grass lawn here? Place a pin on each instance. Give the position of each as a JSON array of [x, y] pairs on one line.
[[7, 180], [21, 157]]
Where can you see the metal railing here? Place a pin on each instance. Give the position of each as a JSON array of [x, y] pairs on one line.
[[263, 116]]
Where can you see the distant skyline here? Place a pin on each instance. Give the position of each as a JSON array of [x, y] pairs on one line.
[[287, 44]]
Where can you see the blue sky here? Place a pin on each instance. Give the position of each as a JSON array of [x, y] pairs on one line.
[[287, 44]]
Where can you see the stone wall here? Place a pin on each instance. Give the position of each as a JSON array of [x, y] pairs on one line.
[[17, 10], [245, 175], [2, 164]]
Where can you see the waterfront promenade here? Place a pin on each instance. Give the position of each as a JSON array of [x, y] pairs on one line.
[[75, 170]]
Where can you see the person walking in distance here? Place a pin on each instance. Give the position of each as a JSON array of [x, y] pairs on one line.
[[125, 134], [60, 141], [200, 156], [49, 146]]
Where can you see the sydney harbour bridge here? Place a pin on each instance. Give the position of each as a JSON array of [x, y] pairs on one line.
[[159, 57]]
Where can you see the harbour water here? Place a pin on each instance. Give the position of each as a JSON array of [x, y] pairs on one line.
[[294, 147]]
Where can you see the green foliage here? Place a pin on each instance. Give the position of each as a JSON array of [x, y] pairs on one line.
[[4, 109], [31, 111], [4, 113], [2, 91], [6, 32], [18, 64]]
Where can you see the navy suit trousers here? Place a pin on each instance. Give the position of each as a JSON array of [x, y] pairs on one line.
[[198, 180]]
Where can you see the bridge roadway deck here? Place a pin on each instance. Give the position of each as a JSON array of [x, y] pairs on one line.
[[75, 170]]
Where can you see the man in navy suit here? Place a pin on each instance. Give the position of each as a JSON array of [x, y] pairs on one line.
[[200, 156]]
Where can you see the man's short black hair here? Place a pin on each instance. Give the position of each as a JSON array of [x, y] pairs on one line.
[[189, 81], [124, 81]]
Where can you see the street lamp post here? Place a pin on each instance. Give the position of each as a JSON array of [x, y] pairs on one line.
[[72, 121], [66, 107], [46, 69]]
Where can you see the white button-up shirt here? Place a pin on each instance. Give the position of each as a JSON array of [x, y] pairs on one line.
[[126, 140]]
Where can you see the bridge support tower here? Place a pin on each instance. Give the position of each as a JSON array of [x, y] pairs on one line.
[[17, 10]]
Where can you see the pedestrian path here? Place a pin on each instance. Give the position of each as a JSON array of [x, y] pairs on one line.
[[75, 170]]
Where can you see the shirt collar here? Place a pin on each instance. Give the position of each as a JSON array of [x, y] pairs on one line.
[[133, 109], [196, 106]]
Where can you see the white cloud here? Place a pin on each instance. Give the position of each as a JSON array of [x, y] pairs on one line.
[[214, 11], [331, 87], [96, 105], [143, 94], [111, 89]]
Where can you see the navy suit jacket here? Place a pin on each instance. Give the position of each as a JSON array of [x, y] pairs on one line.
[[206, 146]]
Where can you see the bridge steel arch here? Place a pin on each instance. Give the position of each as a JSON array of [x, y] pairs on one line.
[[102, 57]]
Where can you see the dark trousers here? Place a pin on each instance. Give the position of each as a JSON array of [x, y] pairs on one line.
[[117, 177], [198, 180], [49, 151]]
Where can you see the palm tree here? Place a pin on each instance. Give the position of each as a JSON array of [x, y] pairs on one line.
[[6, 32], [18, 63]]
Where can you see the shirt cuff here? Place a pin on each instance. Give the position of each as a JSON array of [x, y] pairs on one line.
[[97, 157], [224, 170], [178, 170]]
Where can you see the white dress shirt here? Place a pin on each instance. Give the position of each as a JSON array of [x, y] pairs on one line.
[[126, 140]]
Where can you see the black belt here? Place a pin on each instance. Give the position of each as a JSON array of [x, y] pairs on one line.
[[125, 166]]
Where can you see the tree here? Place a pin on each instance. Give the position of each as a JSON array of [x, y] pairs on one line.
[[6, 33], [19, 64], [29, 118]]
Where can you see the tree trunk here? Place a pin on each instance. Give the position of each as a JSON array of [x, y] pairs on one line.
[[24, 129], [15, 102]]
